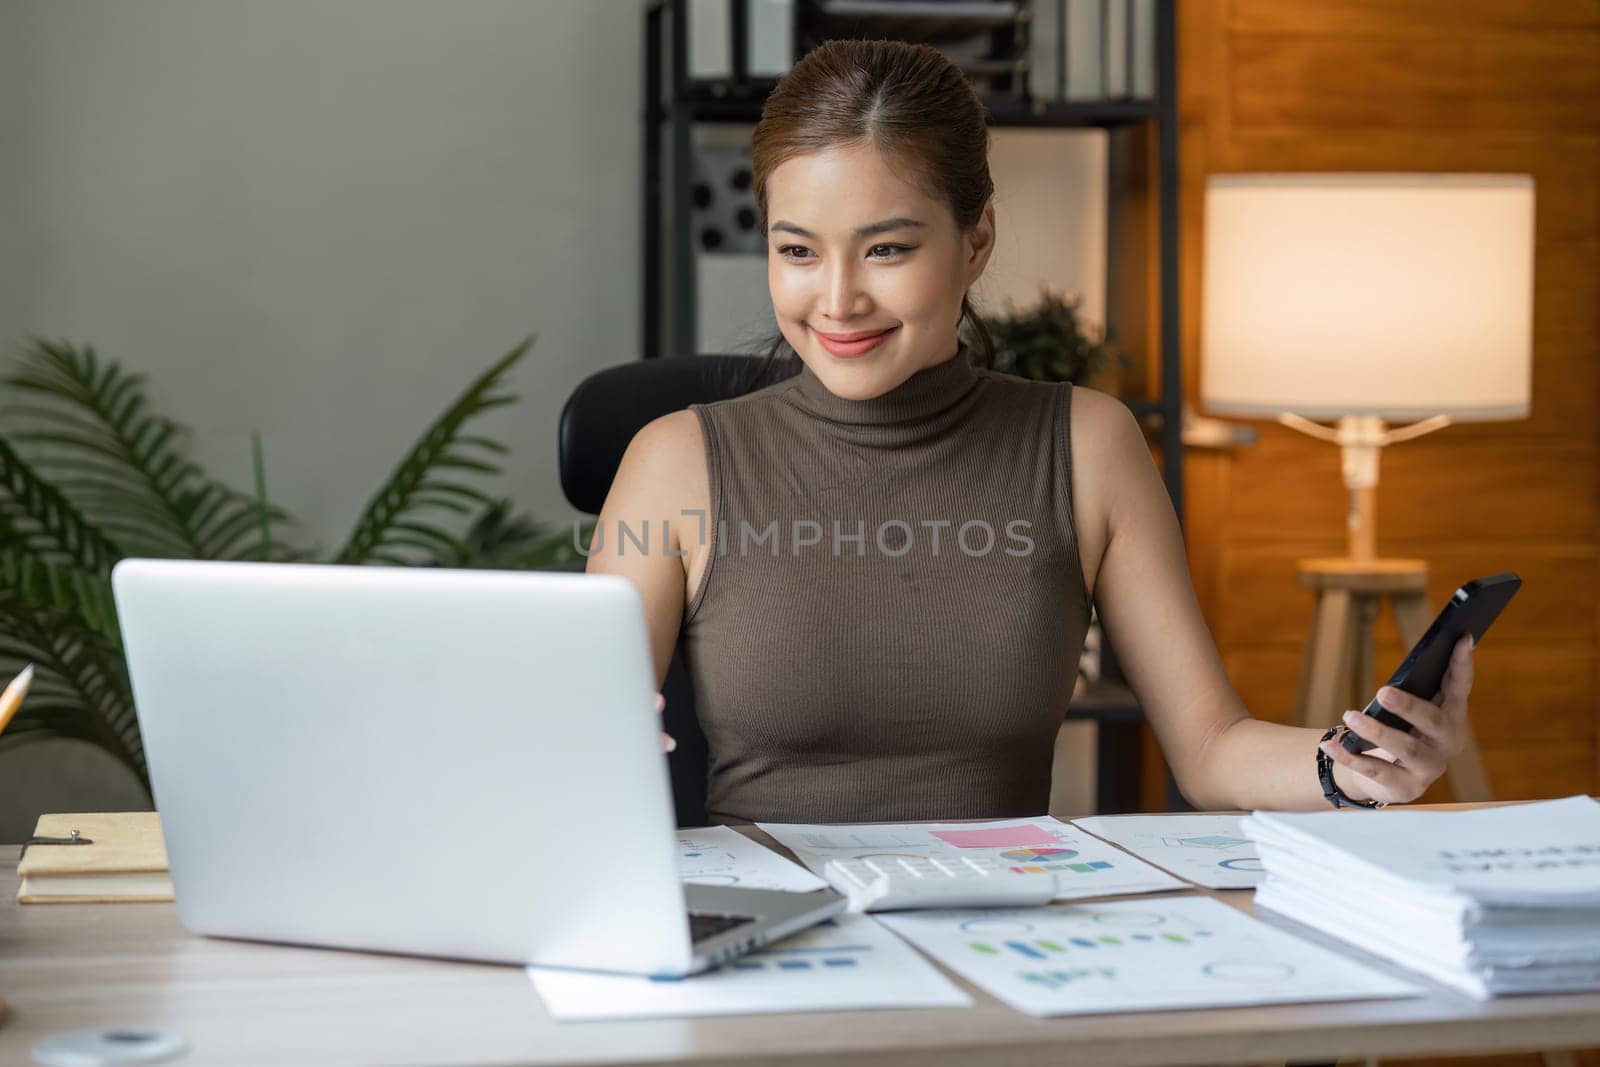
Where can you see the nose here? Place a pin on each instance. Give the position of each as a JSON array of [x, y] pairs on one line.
[[844, 298]]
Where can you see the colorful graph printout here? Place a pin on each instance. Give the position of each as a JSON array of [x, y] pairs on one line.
[[1209, 850], [846, 963], [1038, 854], [1135, 955], [1081, 865], [996, 837]]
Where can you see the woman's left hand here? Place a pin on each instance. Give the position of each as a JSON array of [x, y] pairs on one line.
[[1403, 765]]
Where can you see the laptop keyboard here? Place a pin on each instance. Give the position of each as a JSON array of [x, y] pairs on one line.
[[702, 926]]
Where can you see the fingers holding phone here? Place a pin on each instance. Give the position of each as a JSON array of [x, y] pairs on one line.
[[1458, 681], [1413, 741]]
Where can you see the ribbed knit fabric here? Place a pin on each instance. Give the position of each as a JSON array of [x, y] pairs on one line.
[[917, 664]]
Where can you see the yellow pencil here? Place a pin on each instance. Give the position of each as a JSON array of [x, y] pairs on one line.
[[12, 698]]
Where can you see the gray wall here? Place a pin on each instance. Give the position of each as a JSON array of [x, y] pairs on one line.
[[318, 220]]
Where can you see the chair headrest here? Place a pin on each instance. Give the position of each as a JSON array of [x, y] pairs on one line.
[[610, 406]]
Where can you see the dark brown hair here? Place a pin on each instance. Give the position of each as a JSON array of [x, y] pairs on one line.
[[907, 100]]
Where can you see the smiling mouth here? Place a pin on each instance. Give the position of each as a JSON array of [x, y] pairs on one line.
[[846, 338]]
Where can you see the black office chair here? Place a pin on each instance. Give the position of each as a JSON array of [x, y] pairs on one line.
[[597, 422]]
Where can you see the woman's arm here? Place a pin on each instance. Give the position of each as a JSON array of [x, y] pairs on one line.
[[661, 475], [1221, 757]]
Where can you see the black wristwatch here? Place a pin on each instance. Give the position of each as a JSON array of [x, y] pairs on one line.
[[1330, 789]]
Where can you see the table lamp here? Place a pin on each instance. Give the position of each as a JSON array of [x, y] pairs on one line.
[[1368, 299], [1365, 300]]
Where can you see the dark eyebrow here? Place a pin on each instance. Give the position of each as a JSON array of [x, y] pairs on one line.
[[870, 230]]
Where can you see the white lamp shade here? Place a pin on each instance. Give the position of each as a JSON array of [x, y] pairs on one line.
[[1396, 295]]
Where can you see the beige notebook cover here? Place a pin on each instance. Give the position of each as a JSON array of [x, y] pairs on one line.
[[127, 862]]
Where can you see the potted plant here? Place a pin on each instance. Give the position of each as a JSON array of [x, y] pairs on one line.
[[1051, 343]]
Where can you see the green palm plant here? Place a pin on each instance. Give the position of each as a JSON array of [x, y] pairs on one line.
[[90, 474]]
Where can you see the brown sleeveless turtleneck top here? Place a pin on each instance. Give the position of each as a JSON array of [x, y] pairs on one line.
[[889, 624]]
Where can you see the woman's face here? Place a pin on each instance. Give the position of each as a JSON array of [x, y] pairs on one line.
[[854, 249]]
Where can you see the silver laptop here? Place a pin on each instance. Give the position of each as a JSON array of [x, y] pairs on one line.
[[448, 763]]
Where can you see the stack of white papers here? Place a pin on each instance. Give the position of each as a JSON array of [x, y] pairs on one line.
[[1492, 900]]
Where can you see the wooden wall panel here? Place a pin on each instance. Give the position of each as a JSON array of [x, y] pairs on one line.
[[1419, 16], [1445, 78], [1417, 85], [1267, 606]]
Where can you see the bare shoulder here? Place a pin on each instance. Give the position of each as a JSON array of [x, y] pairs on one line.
[[668, 437], [1103, 420], [667, 459]]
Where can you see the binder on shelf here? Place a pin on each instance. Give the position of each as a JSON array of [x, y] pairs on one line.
[[1115, 41], [1082, 42], [1047, 51], [1109, 49], [768, 33], [770, 30], [710, 33], [1142, 76]]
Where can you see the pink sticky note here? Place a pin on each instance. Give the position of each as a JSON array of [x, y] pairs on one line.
[[996, 837]]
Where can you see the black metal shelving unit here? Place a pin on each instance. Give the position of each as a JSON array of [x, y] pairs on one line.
[[1142, 224]]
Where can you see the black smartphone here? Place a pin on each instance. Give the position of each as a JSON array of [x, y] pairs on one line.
[[1470, 611]]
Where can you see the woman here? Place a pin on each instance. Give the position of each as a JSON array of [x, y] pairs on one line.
[[882, 567]]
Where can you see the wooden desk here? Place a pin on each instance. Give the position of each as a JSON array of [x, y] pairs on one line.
[[68, 966]]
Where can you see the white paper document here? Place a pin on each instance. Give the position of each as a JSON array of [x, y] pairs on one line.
[[1541, 855], [846, 963], [1490, 900], [1082, 865], [721, 855], [1135, 955], [1569, 962], [1208, 850]]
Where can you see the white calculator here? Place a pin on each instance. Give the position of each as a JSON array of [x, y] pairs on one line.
[[888, 883]]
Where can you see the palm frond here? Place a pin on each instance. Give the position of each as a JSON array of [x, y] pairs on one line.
[[499, 540], [390, 529], [37, 515], [81, 688], [32, 587], [124, 466]]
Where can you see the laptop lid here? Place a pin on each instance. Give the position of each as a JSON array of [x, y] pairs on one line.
[[451, 763]]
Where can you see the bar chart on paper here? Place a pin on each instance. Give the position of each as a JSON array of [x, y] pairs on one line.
[[1082, 865], [1178, 952], [844, 963], [1209, 850], [814, 950]]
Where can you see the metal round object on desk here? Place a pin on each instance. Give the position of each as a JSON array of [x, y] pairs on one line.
[[105, 1046]]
